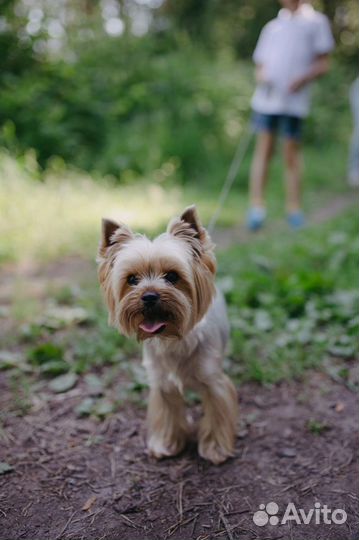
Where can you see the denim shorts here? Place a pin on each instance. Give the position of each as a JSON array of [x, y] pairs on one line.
[[289, 126]]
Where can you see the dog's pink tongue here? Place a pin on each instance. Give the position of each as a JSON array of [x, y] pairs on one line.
[[151, 328]]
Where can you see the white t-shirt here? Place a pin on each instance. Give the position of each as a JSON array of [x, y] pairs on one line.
[[286, 49]]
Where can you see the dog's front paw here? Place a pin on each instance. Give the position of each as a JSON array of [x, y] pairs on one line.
[[160, 448], [213, 451]]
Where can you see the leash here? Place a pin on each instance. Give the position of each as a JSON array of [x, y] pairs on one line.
[[233, 170]]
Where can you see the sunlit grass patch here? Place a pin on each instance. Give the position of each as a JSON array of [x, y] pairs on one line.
[[61, 214]]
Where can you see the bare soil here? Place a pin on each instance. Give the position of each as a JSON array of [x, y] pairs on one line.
[[85, 479]]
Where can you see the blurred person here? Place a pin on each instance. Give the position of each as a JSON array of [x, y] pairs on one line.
[[353, 165], [292, 51]]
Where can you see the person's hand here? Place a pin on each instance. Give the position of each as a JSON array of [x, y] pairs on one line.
[[297, 85]]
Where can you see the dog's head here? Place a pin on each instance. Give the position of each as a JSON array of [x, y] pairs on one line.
[[157, 288]]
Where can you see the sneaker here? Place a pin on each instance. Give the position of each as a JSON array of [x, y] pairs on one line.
[[296, 220], [255, 218]]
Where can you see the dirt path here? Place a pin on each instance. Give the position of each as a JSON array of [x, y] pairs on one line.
[[83, 479]]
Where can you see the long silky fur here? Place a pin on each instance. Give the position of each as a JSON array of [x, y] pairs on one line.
[[189, 351]]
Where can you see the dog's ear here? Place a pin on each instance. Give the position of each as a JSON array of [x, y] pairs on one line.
[[189, 228], [108, 228], [190, 216], [113, 234]]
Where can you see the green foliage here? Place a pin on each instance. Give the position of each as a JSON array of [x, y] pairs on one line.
[[226, 23], [130, 111], [170, 105], [54, 367], [72, 205], [5, 468], [317, 427], [293, 305], [329, 120], [296, 305], [63, 383], [44, 353]]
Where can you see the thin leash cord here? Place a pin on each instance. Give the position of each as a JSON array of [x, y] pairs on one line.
[[231, 176]]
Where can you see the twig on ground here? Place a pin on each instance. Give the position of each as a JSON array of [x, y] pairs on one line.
[[173, 528], [235, 512], [180, 501], [226, 525], [131, 523], [66, 525], [194, 524]]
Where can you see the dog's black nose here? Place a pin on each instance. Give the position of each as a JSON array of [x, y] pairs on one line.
[[150, 298]]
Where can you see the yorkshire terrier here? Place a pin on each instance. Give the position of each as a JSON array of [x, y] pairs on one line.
[[163, 292]]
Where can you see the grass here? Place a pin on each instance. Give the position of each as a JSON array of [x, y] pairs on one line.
[[292, 298], [57, 213]]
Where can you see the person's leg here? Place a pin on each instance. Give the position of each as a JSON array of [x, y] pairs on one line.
[[293, 166], [265, 126], [259, 169], [291, 127]]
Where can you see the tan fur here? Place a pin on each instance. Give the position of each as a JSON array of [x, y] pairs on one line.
[[218, 425], [190, 318], [168, 428]]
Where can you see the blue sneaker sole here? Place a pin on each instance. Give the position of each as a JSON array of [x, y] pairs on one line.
[[296, 221], [255, 225]]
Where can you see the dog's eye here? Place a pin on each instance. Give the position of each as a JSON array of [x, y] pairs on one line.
[[172, 277], [132, 279]]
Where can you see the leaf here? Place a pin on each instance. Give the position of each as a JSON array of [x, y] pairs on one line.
[[54, 367], [103, 408], [283, 340], [63, 383], [9, 360], [85, 407], [287, 452], [68, 294], [30, 332], [339, 407], [5, 467], [262, 320], [94, 384], [341, 351], [226, 284], [266, 299], [337, 238], [45, 352], [263, 263], [61, 316], [304, 336], [140, 381], [89, 503], [317, 427]]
